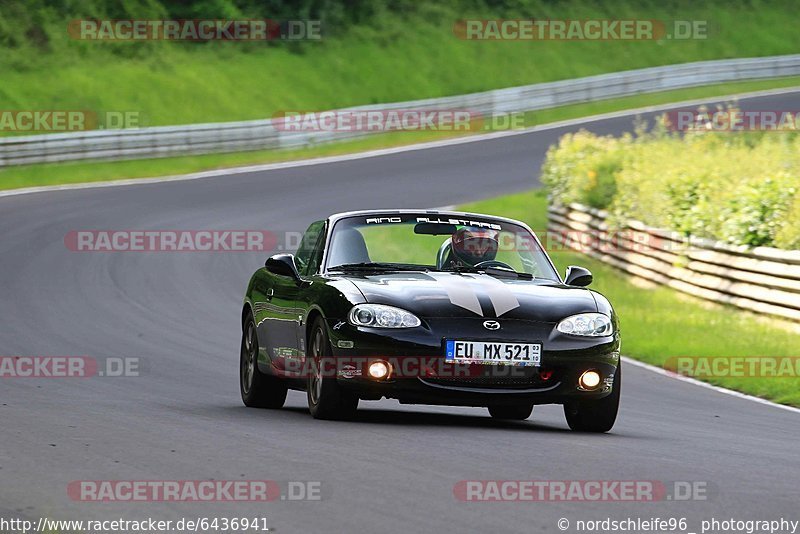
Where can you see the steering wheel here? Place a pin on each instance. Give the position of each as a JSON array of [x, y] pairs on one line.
[[493, 263]]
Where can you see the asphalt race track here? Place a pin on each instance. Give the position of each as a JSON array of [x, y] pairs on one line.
[[392, 470]]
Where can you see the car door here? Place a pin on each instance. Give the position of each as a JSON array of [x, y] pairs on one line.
[[273, 308], [279, 319], [309, 260]]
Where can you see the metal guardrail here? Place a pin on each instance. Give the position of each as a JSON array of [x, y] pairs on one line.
[[763, 280], [165, 141]]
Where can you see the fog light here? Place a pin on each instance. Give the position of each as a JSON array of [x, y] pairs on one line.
[[589, 380], [379, 370]]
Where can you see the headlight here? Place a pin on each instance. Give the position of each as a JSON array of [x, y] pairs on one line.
[[381, 316], [587, 324]]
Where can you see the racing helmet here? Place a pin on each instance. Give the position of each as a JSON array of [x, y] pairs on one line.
[[474, 245]]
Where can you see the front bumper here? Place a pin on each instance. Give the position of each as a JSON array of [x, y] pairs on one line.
[[422, 376]]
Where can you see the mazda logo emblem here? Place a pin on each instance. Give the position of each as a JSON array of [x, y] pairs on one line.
[[491, 325]]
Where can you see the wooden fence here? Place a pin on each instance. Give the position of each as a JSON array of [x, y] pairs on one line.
[[762, 279]]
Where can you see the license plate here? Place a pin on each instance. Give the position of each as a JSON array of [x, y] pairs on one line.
[[489, 352]]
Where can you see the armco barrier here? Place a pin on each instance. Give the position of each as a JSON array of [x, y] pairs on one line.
[[762, 279], [164, 141]]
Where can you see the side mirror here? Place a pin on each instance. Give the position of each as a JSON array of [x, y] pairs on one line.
[[282, 265], [578, 276]]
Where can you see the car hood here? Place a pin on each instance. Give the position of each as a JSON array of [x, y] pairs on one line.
[[474, 295]]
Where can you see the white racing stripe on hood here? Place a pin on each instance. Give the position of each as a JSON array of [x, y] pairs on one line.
[[459, 292], [503, 299], [462, 292]]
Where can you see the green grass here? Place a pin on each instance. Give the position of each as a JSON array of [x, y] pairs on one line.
[[659, 323], [83, 172], [386, 56]]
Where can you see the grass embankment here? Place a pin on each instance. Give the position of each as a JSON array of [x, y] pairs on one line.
[[370, 53], [659, 323]]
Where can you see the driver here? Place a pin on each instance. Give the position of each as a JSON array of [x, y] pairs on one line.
[[471, 246]]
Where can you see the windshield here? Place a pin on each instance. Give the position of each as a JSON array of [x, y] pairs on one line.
[[436, 242]]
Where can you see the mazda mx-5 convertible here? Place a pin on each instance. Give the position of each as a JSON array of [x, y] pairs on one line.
[[429, 307]]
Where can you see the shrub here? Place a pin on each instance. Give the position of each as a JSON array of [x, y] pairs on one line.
[[739, 188], [788, 235], [583, 168]]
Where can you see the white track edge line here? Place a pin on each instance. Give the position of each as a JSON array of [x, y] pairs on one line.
[[706, 385], [389, 151]]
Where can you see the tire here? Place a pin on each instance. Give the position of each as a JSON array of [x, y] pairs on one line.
[[258, 390], [326, 400], [595, 415], [518, 412]]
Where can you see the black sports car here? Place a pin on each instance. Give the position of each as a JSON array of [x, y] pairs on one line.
[[429, 307]]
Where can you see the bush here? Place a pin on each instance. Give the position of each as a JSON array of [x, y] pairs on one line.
[[788, 235], [583, 168], [739, 188]]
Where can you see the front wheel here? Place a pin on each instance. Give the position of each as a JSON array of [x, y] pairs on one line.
[[519, 412], [258, 390], [326, 400], [595, 415]]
